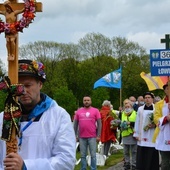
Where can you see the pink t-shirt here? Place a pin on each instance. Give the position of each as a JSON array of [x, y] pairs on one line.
[[87, 118]]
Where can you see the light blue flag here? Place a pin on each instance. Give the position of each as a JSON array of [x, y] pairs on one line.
[[112, 80]]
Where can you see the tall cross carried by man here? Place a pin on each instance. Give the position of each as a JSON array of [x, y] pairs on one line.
[[166, 40], [11, 9]]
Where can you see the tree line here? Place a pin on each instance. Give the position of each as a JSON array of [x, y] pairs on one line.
[[72, 69]]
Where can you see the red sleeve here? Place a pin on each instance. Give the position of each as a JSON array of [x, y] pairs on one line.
[[165, 120]]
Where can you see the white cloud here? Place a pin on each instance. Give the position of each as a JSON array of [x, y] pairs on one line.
[[142, 21], [76, 36], [69, 8], [149, 40]]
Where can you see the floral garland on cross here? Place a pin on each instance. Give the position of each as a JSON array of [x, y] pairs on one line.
[[18, 26]]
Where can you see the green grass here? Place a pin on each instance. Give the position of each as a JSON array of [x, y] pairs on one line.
[[112, 160]]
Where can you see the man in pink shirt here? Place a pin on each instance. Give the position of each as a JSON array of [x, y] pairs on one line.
[[88, 120]]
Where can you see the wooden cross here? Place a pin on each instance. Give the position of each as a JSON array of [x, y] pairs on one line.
[[13, 65], [167, 46], [166, 41], [12, 145]]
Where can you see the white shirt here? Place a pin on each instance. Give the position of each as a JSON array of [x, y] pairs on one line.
[[163, 138], [145, 137]]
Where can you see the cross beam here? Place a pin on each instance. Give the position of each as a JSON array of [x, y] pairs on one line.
[[13, 65], [12, 145], [19, 6], [166, 40]]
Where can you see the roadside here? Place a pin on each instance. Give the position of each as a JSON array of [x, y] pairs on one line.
[[118, 166], [113, 162]]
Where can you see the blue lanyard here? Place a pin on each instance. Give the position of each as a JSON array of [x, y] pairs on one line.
[[23, 129]]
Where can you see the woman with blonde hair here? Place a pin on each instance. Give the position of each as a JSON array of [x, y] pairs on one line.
[[128, 118]]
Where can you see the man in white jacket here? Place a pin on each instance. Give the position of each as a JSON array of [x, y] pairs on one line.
[[48, 139], [147, 155]]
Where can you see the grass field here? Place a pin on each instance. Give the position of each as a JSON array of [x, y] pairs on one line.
[[113, 159]]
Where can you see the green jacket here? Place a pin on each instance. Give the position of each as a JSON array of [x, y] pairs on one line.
[[128, 118]]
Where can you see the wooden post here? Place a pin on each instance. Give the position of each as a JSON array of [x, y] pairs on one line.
[[166, 40], [12, 145]]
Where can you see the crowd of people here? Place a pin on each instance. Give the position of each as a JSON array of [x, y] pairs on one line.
[[47, 139], [139, 121]]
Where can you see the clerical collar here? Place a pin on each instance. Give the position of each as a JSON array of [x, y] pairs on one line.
[[148, 107]]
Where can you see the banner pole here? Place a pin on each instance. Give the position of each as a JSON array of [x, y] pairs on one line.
[[120, 97]]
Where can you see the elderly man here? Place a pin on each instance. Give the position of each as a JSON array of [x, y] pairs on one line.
[[140, 102]]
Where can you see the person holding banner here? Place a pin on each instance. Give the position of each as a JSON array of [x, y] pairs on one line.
[[162, 131], [47, 138]]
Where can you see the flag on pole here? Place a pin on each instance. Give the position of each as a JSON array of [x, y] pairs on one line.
[[154, 82], [112, 80]]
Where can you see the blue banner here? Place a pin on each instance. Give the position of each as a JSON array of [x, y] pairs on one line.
[[112, 80]]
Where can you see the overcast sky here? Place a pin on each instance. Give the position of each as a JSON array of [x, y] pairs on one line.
[[64, 21]]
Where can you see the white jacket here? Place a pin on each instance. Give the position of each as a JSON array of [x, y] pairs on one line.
[[48, 144], [145, 137]]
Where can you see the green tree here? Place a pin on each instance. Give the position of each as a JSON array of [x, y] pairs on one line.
[[40, 49], [66, 99], [132, 83], [50, 50], [99, 95], [121, 48], [95, 44], [76, 67], [70, 51], [54, 76]]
